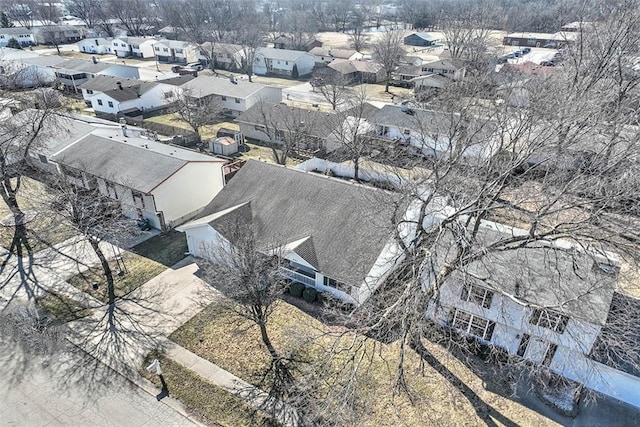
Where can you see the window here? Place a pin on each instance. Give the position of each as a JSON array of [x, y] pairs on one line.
[[123, 45], [43, 159], [157, 48], [333, 283], [477, 295], [110, 104], [138, 200], [524, 343], [224, 98], [549, 319], [471, 324], [548, 356], [286, 62], [164, 49], [237, 100], [179, 50], [111, 190], [89, 92], [407, 131], [115, 44], [260, 128], [99, 101]]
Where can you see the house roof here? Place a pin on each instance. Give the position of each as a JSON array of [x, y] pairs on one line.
[[129, 93], [444, 64], [175, 44], [425, 36], [334, 53], [345, 66], [15, 31], [45, 60], [284, 117], [137, 40], [419, 119], [137, 163], [435, 77], [178, 80], [557, 276], [222, 47], [331, 223], [203, 86], [281, 54], [408, 70], [102, 83]]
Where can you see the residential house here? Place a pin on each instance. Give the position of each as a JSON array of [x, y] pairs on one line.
[[15, 72], [430, 81], [161, 183], [96, 46], [547, 40], [434, 134], [358, 71], [324, 56], [282, 62], [74, 72], [287, 42], [328, 231], [224, 56], [24, 36], [234, 96], [421, 39], [136, 47], [112, 97], [57, 34], [275, 122], [545, 302], [404, 75], [175, 51], [447, 67], [169, 32]]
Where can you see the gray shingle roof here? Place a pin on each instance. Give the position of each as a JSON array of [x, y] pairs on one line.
[[425, 36], [15, 31], [339, 223], [102, 83], [131, 166], [203, 86], [281, 54], [287, 118]]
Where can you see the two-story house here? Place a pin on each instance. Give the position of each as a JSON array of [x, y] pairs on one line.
[[226, 56], [282, 62], [324, 56], [57, 34], [96, 46], [234, 96], [24, 36], [136, 47], [72, 73], [176, 51]]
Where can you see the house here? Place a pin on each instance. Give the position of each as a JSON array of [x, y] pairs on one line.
[[548, 303], [112, 97], [430, 81], [24, 36], [547, 40], [224, 56], [96, 46], [447, 67], [169, 32], [404, 74], [421, 39], [234, 96], [324, 56], [333, 244], [358, 71], [176, 51], [273, 122], [74, 72], [136, 47], [282, 62], [431, 133], [287, 42], [160, 183], [57, 34], [15, 72]]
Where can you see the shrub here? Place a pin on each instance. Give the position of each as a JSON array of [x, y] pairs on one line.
[[296, 289], [310, 295]]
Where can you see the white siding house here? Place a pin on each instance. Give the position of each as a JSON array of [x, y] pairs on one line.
[[96, 46], [282, 62], [137, 47], [180, 52], [24, 36]]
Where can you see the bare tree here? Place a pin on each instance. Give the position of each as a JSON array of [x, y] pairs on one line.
[[87, 10], [196, 111], [332, 86], [388, 51]]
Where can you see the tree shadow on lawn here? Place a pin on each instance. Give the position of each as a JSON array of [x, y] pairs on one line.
[[166, 248]]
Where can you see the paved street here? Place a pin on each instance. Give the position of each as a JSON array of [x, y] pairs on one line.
[[61, 394]]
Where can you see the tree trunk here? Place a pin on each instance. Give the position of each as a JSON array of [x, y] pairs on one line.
[[106, 270]]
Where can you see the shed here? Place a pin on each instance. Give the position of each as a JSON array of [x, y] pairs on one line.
[[224, 145], [420, 39]]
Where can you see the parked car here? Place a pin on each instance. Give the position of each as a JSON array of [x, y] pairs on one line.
[[525, 50], [195, 66], [548, 64]]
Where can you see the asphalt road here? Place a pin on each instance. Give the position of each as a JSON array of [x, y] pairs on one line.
[[59, 393]]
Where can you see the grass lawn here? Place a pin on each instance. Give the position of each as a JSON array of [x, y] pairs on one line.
[[166, 249], [139, 271], [63, 308], [206, 401], [44, 227], [217, 336]]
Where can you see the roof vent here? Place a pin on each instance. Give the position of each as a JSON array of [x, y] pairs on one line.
[[119, 85], [232, 79]]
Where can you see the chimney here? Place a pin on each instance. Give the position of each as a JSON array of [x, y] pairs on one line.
[[94, 59], [119, 85], [232, 79], [124, 130]]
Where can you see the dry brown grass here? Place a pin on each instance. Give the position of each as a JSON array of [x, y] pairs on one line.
[[217, 336]]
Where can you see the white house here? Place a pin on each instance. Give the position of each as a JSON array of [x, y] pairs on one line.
[[226, 56], [164, 184], [24, 36], [282, 62], [323, 56], [96, 46], [234, 96], [177, 51], [74, 72], [112, 96], [434, 134], [137, 47], [447, 67], [24, 69], [335, 244]]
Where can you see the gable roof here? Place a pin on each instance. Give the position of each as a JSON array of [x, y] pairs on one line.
[[285, 117], [345, 66], [281, 54], [141, 167], [137, 40], [15, 31], [444, 64], [102, 83], [175, 44], [424, 36], [333, 224], [334, 53], [221, 47], [204, 85]]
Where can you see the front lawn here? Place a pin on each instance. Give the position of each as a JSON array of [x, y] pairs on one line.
[[137, 271], [166, 248], [63, 308], [216, 335], [204, 400]]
